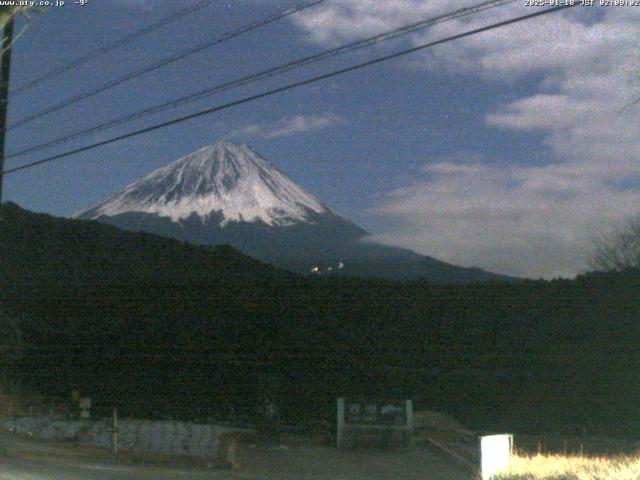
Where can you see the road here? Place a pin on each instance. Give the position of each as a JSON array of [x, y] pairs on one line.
[[26, 459]]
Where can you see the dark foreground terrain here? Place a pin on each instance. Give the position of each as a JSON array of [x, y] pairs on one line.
[[165, 330], [26, 459]]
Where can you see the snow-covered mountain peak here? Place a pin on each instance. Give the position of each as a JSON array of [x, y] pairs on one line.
[[224, 178]]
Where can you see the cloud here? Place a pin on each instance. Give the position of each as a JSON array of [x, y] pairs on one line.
[[548, 42], [288, 126], [340, 20], [580, 70], [525, 221]]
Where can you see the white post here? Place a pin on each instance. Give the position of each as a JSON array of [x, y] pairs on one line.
[[409, 410], [495, 454], [114, 433], [340, 435]]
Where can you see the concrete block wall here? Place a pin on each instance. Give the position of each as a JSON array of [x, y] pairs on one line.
[[169, 437]]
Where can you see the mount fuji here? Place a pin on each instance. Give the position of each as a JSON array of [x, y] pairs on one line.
[[228, 194]]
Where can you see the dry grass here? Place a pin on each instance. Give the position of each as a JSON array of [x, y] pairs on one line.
[[559, 467]]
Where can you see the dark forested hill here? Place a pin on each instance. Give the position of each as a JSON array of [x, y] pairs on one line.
[[36, 245], [162, 328]]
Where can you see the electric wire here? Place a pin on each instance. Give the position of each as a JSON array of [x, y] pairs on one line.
[[162, 63], [287, 87], [265, 74], [112, 46]]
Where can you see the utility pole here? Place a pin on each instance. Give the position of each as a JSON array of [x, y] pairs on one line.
[[5, 66]]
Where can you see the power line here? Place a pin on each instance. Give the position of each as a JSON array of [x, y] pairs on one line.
[[113, 46], [268, 73], [163, 63], [290, 86]]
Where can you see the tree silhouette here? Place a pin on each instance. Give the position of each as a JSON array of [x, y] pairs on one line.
[[618, 249]]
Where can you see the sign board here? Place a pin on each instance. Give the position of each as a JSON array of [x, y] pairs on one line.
[[358, 418], [495, 454], [371, 412]]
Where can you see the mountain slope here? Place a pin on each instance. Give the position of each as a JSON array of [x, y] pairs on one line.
[[228, 194]]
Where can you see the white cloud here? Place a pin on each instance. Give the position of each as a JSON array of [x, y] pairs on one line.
[[546, 42], [340, 20], [507, 215], [527, 221], [288, 126]]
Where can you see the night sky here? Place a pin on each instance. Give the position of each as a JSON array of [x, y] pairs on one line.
[[509, 150]]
